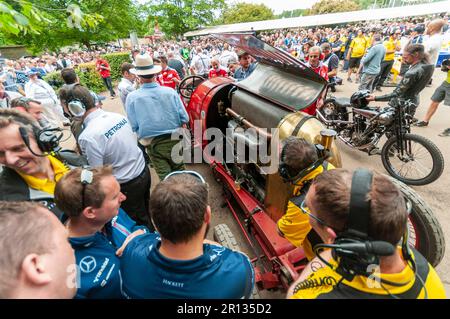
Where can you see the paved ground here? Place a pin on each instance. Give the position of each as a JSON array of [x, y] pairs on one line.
[[436, 195]]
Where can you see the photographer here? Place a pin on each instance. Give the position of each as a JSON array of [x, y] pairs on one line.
[[442, 93], [102, 66], [362, 217], [297, 167]]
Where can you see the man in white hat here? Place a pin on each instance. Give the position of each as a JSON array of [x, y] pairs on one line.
[[155, 112]]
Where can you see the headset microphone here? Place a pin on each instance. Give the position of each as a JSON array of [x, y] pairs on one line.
[[379, 248]]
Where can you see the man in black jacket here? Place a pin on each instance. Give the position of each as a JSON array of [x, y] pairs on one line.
[[414, 80]]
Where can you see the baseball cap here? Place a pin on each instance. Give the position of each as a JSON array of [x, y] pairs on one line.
[[232, 60], [32, 72], [420, 28]]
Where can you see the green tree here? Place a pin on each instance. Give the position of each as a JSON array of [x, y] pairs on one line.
[[331, 6], [247, 12], [176, 17], [369, 4], [91, 21], [291, 13], [22, 17]]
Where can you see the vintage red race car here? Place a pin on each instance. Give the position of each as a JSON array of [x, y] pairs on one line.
[[272, 97]]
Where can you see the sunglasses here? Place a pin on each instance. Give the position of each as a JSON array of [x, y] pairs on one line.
[[86, 178], [313, 56], [306, 210], [193, 173]]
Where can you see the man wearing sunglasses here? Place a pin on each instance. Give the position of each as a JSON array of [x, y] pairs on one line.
[[97, 227], [298, 158], [177, 262], [327, 204]]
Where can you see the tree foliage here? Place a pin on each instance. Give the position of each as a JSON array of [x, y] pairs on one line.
[[23, 17], [247, 12], [176, 17], [331, 6], [53, 24], [292, 13]]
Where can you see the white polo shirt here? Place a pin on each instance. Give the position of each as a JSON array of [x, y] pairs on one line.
[[108, 139], [125, 86]]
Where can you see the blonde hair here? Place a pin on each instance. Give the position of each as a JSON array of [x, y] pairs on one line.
[[25, 230]]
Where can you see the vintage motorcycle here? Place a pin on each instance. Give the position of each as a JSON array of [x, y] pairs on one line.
[[410, 158]]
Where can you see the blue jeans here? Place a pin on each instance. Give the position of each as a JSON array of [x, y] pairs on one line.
[[108, 84], [345, 61]]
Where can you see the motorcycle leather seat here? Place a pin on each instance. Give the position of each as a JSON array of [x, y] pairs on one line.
[[342, 102]]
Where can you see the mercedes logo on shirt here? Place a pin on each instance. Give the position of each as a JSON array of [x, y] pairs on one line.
[[87, 264]]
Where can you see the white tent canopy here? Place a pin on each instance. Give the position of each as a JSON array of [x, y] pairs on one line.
[[327, 19]]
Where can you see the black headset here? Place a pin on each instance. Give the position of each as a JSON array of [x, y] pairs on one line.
[[353, 261], [76, 106], [47, 139], [283, 168], [353, 249]]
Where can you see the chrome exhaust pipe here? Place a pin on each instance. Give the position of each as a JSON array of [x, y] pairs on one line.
[[330, 122]]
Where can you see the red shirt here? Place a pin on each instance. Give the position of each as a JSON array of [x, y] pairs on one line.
[[165, 78], [213, 73], [103, 72], [322, 70]]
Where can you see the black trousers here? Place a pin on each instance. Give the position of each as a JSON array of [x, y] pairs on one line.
[[108, 84], [137, 192], [386, 67]]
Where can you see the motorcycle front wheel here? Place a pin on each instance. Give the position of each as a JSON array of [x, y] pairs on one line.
[[420, 164]]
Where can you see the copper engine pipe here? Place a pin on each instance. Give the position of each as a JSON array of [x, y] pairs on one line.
[[241, 120]]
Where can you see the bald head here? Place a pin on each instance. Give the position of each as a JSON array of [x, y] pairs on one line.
[[435, 26], [315, 49]]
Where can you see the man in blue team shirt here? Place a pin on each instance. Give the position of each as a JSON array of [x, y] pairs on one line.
[[155, 112], [178, 262], [97, 228]]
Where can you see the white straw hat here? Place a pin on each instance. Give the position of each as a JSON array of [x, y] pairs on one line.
[[143, 65]]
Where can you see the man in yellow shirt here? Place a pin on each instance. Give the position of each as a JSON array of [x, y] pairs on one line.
[[343, 39], [392, 45], [355, 53], [298, 158], [350, 212], [29, 172]]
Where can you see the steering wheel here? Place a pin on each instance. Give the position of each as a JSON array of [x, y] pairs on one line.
[[189, 84]]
